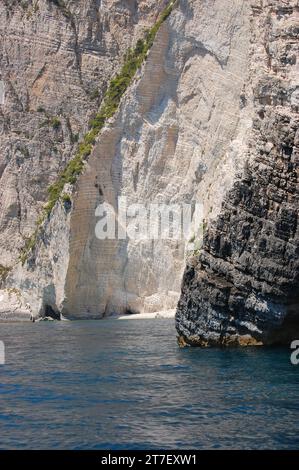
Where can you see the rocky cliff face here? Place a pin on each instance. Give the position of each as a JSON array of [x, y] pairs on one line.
[[178, 132], [243, 288], [210, 117], [55, 60], [158, 150]]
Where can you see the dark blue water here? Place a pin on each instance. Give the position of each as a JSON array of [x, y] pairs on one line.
[[126, 385]]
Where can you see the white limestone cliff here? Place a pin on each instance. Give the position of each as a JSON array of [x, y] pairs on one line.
[[181, 134]]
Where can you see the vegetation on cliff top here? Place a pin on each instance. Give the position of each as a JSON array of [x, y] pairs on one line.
[[134, 59]]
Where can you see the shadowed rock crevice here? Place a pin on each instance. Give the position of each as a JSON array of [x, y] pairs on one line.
[[50, 312]]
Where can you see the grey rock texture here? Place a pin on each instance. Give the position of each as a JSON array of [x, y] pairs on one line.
[[158, 149], [55, 63], [178, 137], [243, 287]]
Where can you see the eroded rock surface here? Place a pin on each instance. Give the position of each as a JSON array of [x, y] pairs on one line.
[[175, 136], [55, 63], [243, 288]]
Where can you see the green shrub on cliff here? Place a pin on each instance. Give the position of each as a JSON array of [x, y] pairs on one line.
[[55, 122], [4, 271], [94, 94], [29, 245], [66, 198]]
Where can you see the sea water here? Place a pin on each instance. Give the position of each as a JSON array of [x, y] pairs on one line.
[[115, 384]]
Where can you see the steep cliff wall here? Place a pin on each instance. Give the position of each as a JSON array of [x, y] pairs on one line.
[[55, 62], [243, 288], [178, 137], [211, 117], [159, 149]]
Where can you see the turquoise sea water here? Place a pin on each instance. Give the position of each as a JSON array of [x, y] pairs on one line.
[[126, 385]]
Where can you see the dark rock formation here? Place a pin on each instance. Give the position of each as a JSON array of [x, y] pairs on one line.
[[243, 287]]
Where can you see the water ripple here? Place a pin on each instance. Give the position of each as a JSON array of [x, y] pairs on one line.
[[120, 385]]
